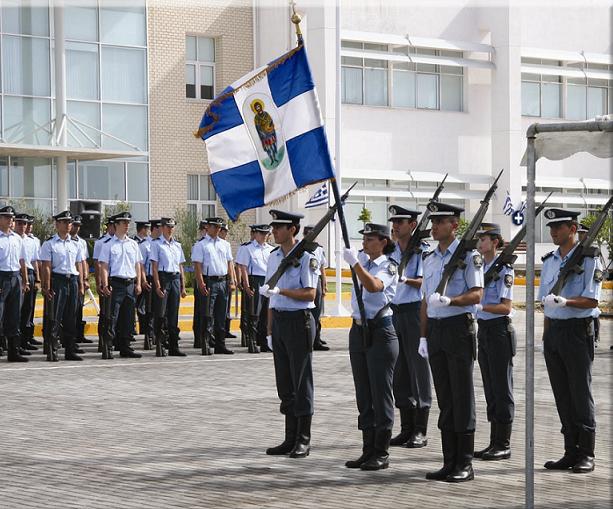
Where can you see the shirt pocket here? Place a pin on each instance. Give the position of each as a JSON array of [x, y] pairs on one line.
[[456, 284], [574, 285], [491, 293]]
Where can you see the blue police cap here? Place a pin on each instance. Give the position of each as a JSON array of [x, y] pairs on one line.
[[283, 217], [168, 221], [398, 212], [375, 229], [7, 211], [489, 229], [560, 216], [438, 209], [123, 216], [22, 217], [63, 216], [264, 228]]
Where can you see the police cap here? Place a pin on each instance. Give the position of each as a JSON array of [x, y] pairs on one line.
[[489, 229], [7, 211], [560, 216], [22, 217], [282, 217], [63, 216], [168, 221], [264, 228], [375, 229], [438, 209], [123, 216], [398, 212]]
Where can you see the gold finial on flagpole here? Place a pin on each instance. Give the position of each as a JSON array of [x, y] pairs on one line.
[[296, 19]]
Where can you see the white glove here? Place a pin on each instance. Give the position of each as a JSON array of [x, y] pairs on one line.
[[555, 301], [479, 307], [350, 255], [436, 300], [274, 291], [402, 279], [264, 290], [422, 349], [269, 341]]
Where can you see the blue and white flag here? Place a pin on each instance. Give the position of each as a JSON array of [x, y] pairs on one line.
[[320, 197], [264, 135], [507, 207]]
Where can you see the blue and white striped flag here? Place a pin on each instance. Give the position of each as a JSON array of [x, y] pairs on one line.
[[320, 197], [264, 135], [507, 207]]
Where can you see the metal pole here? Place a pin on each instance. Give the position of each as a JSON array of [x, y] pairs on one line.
[[60, 105], [530, 249]]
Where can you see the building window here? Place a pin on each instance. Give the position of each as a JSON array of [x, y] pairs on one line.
[[201, 196], [379, 82], [199, 67]]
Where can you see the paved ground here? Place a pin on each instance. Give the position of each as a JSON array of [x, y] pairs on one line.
[[191, 432]]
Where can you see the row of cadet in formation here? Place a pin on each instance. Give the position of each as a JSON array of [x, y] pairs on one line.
[[415, 335]]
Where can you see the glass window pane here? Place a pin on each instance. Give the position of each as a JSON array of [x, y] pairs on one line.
[[192, 187], [426, 67], [30, 177], [207, 191], [128, 123], [352, 85], [576, 102], [190, 81], [140, 211], [123, 25], [192, 209], [190, 47], [26, 66], [21, 17], [451, 93], [551, 100], [81, 21], [206, 82], [89, 114], [4, 177], [102, 180], [530, 99], [351, 44], [375, 87], [596, 101], [352, 212], [451, 69], [351, 61], [138, 182], [404, 89], [610, 97], [72, 181], [208, 211], [124, 75], [379, 64], [427, 91], [82, 70], [24, 119], [206, 49]]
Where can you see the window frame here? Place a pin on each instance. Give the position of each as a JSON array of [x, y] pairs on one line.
[[199, 202], [198, 64]]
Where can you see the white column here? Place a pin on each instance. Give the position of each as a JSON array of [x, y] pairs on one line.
[[60, 106]]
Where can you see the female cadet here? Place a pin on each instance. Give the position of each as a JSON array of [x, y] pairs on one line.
[[496, 347], [373, 358]]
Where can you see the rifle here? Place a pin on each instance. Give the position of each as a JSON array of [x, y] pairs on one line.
[[420, 232], [49, 342], [467, 242], [205, 325], [506, 256], [306, 244], [583, 250]]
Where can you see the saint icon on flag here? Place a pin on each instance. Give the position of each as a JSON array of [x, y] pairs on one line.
[[267, 134]]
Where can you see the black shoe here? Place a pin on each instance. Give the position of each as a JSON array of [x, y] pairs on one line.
[[570, 457], [321, 347], [501, 448], [16, 357], [23, 351], [302, 447], [78, 350], [407, 426], [291, 427], [85, 340], [36, 342], [418, 437], [368, 449], [72, 356], [480, 453], [448, 439], [223, 350], [230, 335], [130, 354], [264, 349], [380, 459], [463, 470], [176, 353], [30, 346], [585, 462]]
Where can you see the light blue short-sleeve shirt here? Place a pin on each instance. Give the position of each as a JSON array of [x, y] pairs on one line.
[[385, 270], [255, 257], [496, 290], [305, 275], [168, 255], [12, 250], [214, 255], [121, 257], [414, 270], [63, 254]]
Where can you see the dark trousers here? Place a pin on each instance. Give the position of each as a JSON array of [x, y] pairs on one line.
[[292, 344], [257, 307], [26, 317], [79, 325], [496, 351], [218, 302], [121, 320], [198, 319], [66, 291], [451, 343], [373, 373], [412, 380], [143, 310], [166, 309], [10, 303], [569, 353]]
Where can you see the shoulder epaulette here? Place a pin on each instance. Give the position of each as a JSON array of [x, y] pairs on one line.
[[245, 243], [275, 248], [544, 257], [50, 238], [360, 250], [425, 254], [101, 237], [108, 239], [392, 260]]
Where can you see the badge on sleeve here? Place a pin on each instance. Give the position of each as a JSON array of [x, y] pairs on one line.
[[478, 261], [598, 275], [508, 280], [392, 269], [313, 265]]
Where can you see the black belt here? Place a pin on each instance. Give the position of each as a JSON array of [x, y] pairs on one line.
[[216, 278], [453, 319], [384, 321], [65, 276], [406, 306], [562, 322], [124, 280], [30, 271], [9, 273], [494, 321], [169, 274]]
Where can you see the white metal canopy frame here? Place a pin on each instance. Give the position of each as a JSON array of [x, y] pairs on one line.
[[552, 141]]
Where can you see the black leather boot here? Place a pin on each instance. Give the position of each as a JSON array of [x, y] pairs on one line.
[[449, 443], [13, 350], [302, 447], [380, 458], [463, 470], [147, 342], [585, 455], [407, 426], [174, 348], [479, 454], [291, 427], [70, 350], [228, 332], [368, 449], [418, 437], [570, 454], [501, 448], [220, 344]]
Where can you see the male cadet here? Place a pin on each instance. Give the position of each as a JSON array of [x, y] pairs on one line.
[[412, 382], [448, 337], [26, 317], [75, 227], [143, 300], [252, 260], [223, 233], [13, 281], [198, 321], [169, 285], [120, 280], [29, 331], [291, 329], [62, 282], [214, 273], [322, 289], [102, 318], [568, 341], [496, 347]]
